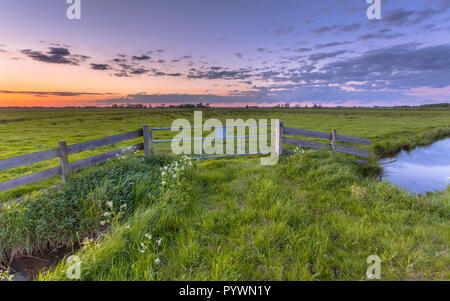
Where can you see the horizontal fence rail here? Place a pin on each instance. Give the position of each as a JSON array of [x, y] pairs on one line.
[[305, 143], [84, 146], [77, 165], [29, 179], [29, 159], [333, 136], [64, 150], [221, 134], [323, 135]]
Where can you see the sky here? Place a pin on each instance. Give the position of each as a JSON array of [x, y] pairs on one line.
[[226, 53]]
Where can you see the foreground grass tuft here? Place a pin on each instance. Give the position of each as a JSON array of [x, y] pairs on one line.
[[88, 205]]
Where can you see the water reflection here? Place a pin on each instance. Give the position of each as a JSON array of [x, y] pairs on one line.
[[421, 170]]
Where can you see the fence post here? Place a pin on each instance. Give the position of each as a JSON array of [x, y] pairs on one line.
[[333, 141], [146, 134], [64, 160], [279, 138], [151, 139]]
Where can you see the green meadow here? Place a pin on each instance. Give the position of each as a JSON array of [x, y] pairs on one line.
[[23, 131], [313, 216]]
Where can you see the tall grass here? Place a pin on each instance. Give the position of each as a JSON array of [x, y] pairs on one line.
[[86, 206], [390, 147], [313, 216]]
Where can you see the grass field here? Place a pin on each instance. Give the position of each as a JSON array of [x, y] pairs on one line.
[[313, 216], [28, 130]]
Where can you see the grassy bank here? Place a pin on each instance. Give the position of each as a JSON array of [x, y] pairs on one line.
[[391, 147], [311, 217], [91, 202]]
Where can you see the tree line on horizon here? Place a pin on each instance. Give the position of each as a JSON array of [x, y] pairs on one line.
[[208, 106]]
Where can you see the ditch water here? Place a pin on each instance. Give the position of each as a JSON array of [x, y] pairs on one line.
[[424, 169], [25, 268]]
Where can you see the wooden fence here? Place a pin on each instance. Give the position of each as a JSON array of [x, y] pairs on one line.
[[63, 151], [333, 136]]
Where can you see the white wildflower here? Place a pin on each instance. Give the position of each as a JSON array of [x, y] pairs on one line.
[[6, 275], [149, 236], [144, 247], [109, 204], [157, 260], [159, 241], [87, 241]]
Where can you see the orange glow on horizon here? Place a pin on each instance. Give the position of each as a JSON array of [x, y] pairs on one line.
[[22, 75]]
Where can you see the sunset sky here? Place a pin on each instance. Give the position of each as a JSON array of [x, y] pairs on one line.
[[227, 52]]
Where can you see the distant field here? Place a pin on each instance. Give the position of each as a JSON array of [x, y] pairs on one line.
[[24, 131]]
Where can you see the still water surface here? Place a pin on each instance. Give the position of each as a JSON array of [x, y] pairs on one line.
[[422, 169]]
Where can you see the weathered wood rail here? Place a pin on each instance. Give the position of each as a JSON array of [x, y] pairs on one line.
[[333, 137], [63, 151]]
